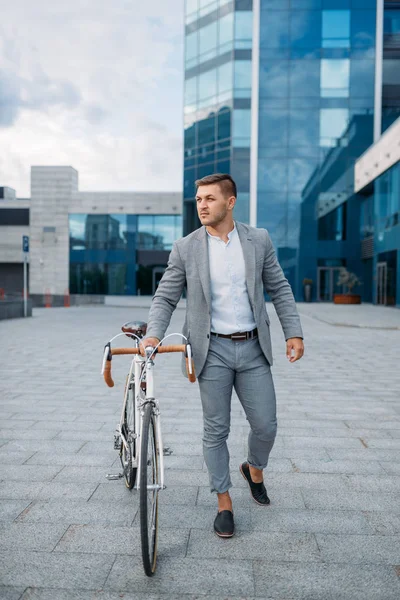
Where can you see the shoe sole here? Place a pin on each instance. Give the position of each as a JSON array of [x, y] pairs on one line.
[[251, 494], [224, 535]]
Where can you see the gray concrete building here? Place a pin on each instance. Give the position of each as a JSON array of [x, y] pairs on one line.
[[82, 242]]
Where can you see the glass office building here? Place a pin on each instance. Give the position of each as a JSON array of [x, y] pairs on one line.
[[285, 95], [120, 254]]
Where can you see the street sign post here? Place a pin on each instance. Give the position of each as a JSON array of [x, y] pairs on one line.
[[25, 248]]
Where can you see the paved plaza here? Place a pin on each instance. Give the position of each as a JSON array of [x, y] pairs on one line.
[[332, 531]]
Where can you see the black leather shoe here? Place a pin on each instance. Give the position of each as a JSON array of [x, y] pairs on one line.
[[257, 490], [224, 525]]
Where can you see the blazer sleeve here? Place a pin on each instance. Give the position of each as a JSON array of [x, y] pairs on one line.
[[167, 295], [278, 288]]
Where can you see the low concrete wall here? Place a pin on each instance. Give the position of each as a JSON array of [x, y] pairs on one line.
[[14, 309], [56, 300]]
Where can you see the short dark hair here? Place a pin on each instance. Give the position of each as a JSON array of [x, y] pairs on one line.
[[225, 182]]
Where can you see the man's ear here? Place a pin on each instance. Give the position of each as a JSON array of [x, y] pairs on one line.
[[231, 202]]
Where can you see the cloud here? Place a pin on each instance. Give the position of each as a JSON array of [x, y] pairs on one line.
[[96, 85]]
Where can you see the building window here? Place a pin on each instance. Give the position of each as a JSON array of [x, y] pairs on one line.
[[335, 28], [332, 227], [14, 216], [335, 78], [333, 123]]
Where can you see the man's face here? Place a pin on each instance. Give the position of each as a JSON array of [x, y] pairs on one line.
[[212, 206]]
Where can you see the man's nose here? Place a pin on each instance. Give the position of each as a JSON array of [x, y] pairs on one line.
[[202, 203]]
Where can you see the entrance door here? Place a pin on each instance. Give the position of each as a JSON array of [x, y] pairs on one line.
[[158, 272], [381, 283], [327, 283]]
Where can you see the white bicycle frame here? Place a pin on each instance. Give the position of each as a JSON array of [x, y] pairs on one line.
[[135, 377]]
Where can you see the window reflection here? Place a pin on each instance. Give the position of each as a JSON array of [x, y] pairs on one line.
[[335, 28], [274, 29], [208, 41], [226, 30], [333, 122], [207, 84], [335, 76], [274, 78], [225, 77], [273, 128], [304, 78], [158, 232], [242, 74], [241, 127], [243, 25], [305, 29]]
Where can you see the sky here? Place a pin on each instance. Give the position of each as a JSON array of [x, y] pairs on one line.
[[94, 84]]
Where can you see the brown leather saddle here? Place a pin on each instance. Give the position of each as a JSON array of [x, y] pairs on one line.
[[133, 328]]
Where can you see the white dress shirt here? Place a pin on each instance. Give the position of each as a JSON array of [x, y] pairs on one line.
[[230, 306]]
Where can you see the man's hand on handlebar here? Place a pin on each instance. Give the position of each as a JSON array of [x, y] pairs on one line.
[[151, 341]]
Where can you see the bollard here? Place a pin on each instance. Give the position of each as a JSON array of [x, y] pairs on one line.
[[2, 294], [47, 299], [67, 299]]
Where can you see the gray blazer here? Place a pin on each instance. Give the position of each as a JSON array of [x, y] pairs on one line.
[[188, 266]]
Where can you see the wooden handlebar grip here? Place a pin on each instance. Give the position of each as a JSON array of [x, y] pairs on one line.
[[192, 375], [107, 374]]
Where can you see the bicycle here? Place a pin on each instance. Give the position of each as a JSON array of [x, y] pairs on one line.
[[138, 436]]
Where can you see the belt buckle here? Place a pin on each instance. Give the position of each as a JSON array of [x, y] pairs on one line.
[[239, 336]]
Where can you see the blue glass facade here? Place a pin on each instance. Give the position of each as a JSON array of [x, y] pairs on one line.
[[120, 254], [218, 53], [316, 86], [316, 102]]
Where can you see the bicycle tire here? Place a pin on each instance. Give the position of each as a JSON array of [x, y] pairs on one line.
[[129, 426], [149, 467]]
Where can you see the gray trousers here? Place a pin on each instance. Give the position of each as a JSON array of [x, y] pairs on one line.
[[241, 365]]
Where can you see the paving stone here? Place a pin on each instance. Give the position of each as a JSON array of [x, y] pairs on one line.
[[30, 536], [184, 576], [48, 458], [84, 474], [299, 547], [305, 465], [372, 483], [14, 458], [199, 517], [55, 569], [28, 472], [122, 540], [11, 490], [274, 518], [66, 490], [309, 581], [320, 499], [11, 592], [79, 512], [360, 549], [10, 509], [54, 446], [383, 523], [19, 437]]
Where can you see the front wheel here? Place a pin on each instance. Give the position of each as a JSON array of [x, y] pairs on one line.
[[149, 478]]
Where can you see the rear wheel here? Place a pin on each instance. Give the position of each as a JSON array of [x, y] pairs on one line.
[[128, 430], [149, 477]]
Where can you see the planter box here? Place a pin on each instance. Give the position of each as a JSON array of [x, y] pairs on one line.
[[346, 299]]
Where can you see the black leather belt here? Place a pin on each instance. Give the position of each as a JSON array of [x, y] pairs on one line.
[[238, 336]]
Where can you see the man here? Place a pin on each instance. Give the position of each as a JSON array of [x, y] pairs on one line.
[[226, 266]]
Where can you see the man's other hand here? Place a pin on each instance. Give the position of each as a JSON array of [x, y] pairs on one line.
[[294, 349], [151, 341]]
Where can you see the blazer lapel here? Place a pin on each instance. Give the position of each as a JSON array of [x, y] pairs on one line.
[[249, 254], [201, 254]]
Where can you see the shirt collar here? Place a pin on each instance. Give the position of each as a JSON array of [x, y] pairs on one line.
[[230, 234]]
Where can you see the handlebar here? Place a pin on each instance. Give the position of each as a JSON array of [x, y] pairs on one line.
[[160, 350]]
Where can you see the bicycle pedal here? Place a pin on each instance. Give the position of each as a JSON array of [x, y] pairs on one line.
[[117, 442], [110, 477]]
